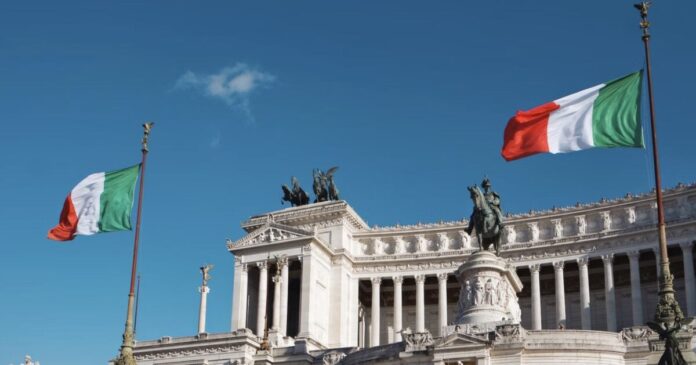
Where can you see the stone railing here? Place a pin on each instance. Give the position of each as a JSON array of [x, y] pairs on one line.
[[584, 222]]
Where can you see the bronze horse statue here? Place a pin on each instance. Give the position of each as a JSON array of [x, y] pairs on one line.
[[484, 221], [296, 196]]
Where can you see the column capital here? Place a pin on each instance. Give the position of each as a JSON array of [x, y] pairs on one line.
[[307, 249], [442, 276], [608, 258], [376, 280], [398, 279], [686, 246], [277, 279], [534, 267], [282, 262], [558, 265], [633, 254], [582, 261], [420, 278], [263, 265]]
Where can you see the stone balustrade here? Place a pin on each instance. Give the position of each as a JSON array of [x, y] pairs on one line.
[[559, 225]]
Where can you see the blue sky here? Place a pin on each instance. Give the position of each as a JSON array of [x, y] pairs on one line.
[[409, 98]]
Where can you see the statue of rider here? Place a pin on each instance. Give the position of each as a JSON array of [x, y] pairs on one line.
[[493, 200]]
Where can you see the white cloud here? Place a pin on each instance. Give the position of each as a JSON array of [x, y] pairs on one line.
[[233, 85]]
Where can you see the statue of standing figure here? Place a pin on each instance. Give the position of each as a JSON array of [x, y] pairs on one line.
[[478, 292], [487, 216], [205, 270]]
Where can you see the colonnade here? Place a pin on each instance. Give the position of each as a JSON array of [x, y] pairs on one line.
[[279, 321], [419, 325], [609, 289], [280, 295]]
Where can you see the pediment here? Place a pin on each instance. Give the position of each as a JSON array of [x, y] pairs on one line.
[[270, 232], [460, 339]]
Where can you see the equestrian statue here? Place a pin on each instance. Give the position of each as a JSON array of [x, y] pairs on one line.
[[487, 217]]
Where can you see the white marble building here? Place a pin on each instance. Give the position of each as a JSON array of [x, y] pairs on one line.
[[331, 289]]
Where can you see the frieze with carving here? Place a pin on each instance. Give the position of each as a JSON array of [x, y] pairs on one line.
[[332, 357], [174, 353], [417, 341], [509, 332], [269, 233], [636, 334]]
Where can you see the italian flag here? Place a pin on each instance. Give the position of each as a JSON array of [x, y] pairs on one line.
[[101, 202], [606, 115]]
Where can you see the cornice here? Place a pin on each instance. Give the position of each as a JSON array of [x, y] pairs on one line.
[[205, 344], [269, 232], [308, 214]]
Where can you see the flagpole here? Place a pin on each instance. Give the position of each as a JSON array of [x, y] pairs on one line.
[[137, 300], [126, 354], [667, 311]]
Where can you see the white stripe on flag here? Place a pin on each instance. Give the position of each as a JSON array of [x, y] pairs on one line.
[[86, 200], [570, 126]]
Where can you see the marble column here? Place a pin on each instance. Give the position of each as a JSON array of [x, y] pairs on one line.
[[585, 315], [239, 306], [398, 316], [420, 303], [204, 290], [278, 281], [636, 291], [560, 295], [656, 250], [442, 302], [307, 295], [283, 263], [374, 330], [688, 255], [263, 290], [361, 327], [536, 297], [609, 292]]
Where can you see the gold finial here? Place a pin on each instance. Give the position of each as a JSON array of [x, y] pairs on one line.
[[644, 23], [147, 128]]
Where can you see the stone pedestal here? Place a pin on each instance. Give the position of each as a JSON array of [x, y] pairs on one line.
[[488, 295]]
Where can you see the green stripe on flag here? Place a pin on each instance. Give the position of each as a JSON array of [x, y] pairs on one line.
[[616, 113], [116, 202]]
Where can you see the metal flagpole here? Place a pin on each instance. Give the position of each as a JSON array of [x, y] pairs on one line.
[[668, 315], [125, 356], [137, 300]]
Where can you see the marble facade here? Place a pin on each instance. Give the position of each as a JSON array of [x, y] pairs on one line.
[[331, 289]]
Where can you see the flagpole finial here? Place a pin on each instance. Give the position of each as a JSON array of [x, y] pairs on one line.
[[147, 128], [644, 23]]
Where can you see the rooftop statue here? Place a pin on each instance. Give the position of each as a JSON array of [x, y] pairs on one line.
[[324, 187], [487, 217], [296, 196], [205, 270]]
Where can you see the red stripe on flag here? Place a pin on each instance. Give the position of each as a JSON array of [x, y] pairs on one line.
[[525, 133], [66, 228]]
